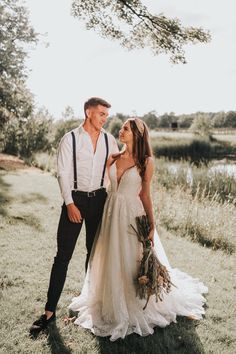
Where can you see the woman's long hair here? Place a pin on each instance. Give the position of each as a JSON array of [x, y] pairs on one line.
[[141, 144]]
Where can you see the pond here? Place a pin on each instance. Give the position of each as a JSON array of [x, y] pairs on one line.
[[216, 167]]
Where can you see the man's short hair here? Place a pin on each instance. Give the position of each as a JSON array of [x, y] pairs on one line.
[[94, 102]]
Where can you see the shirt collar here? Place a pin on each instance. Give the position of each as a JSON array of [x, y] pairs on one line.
[[81, 129]]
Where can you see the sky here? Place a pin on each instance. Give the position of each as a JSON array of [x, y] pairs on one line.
[[78, 64]]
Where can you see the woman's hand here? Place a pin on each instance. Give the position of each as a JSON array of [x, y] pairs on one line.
[[151, 236]]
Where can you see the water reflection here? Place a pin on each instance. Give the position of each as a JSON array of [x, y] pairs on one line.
[[225, 168]]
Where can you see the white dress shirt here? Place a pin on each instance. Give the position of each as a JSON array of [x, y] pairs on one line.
[[89, 164]]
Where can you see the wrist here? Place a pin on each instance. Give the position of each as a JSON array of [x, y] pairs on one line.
[[70, 205], [152, 225]]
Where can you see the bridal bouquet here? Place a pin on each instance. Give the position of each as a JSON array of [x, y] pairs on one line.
[[153, 277]]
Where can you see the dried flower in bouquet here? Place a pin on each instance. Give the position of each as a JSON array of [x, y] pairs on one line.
[[153, 277]]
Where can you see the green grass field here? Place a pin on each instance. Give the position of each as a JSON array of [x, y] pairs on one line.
[[30, 207]]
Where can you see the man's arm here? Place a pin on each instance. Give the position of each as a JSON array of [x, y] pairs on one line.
[[114, 146], [64, 168]]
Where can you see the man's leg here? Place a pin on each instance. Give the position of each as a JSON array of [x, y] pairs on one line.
[[67, 235], [92, 220]]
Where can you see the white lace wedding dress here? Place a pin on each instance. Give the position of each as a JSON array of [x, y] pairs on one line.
[[108, 305]]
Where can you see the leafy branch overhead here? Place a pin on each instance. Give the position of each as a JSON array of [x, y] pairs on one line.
[[133, 26]]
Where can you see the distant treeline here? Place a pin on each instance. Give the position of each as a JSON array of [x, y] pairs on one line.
[[216, 120], [40, 132]]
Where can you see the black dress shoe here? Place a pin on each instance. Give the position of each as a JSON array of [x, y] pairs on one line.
[[41, 324]]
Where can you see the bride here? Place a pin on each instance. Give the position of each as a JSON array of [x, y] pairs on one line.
[[108, 305]]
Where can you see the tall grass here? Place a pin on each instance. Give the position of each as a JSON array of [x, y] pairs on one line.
[[204, 221], [44, 161], [199, 206], [201, 182]]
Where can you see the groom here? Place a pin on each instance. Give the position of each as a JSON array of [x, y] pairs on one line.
[[81, 164]]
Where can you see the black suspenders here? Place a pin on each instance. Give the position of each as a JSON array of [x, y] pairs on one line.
[[104, 167], [74, 160]]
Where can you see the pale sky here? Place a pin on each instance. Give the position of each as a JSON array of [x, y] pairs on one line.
[[79, 64]]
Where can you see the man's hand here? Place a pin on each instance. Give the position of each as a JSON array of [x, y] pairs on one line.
[[73, 213]]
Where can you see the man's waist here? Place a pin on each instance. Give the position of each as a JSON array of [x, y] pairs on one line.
[[89, 194]]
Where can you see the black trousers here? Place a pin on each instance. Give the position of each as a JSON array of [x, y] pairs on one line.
[[91, 209]]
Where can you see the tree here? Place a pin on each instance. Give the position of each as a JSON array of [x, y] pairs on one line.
[[68, 113], [23, 137], [165, 120], [133, 26], [115, 126], [16, 34], [218, 120], [151, 119], [230, 119], [202, 125], [185, 120], [62, 127]]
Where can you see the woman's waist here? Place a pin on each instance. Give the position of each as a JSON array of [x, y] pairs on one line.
[[130, 201]]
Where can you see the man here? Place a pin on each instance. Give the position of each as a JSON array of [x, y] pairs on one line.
[[82, 177]]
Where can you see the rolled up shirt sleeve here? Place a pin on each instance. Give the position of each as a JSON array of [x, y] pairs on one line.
[[65, 168]]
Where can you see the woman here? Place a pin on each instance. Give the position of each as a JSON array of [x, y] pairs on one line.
[[108, 304]]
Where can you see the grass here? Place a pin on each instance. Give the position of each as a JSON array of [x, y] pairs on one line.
[[203, 182], [44, 161], [200, 208], [28, 246], [206, 222]]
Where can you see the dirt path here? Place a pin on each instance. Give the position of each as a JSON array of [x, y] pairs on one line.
[[12, 163]]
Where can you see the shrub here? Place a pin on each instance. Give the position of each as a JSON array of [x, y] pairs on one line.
[[62, 127], [23, 137], [114, 126]]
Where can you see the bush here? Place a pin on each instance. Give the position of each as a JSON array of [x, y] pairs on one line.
[[202, 126], [62, 127], [114, 126], [23, 137]]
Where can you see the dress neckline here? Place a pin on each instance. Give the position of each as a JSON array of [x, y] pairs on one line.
[[127, 169]]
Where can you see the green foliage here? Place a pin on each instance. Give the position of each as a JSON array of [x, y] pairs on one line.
[[151, 120], [165, 120], [203, 202], [224, 119], [201, 125], [68, 113], [62, 127], [230, 119], [23, 137], [114, 126], [122, 117], [134, 26], [16, 34], [201, 182], [201, 122], [185, 120]]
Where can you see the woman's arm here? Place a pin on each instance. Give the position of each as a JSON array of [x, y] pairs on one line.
[[145, 195]]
